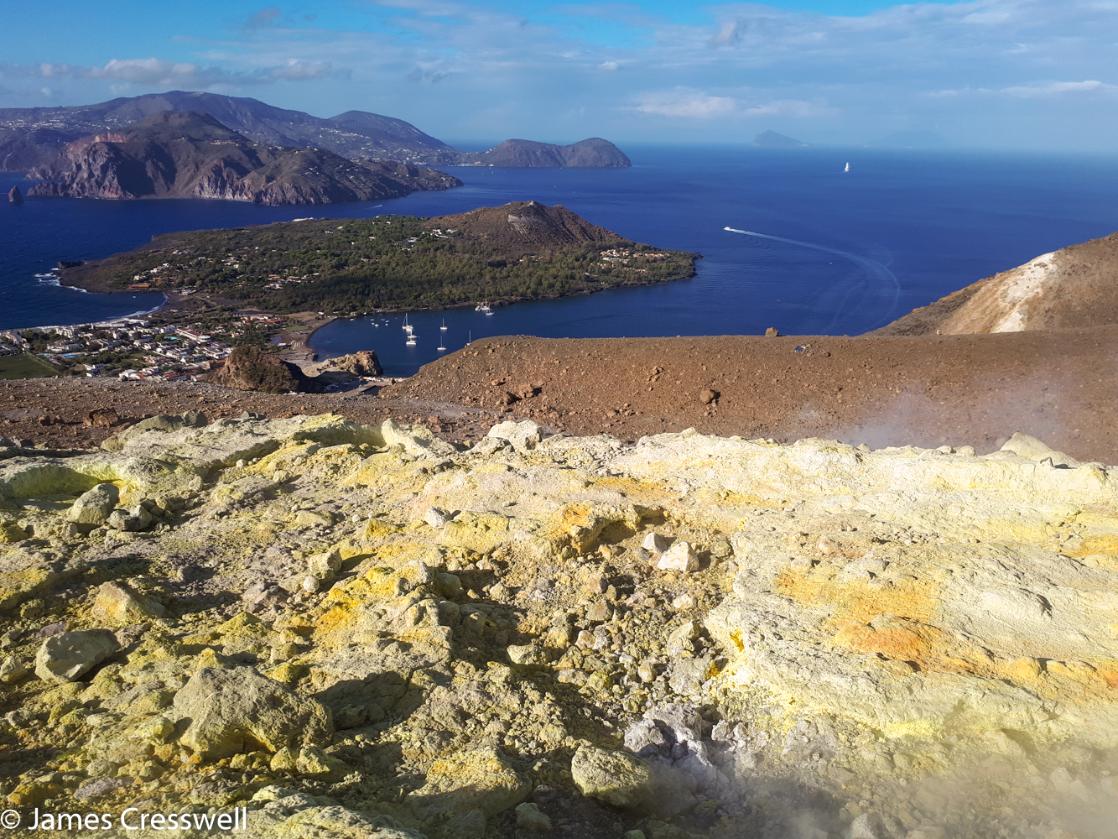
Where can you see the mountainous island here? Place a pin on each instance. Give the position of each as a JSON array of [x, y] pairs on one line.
[[776, 140], [1070, 288], [32, 138], [519, 251], [592, 153], [189, 155]]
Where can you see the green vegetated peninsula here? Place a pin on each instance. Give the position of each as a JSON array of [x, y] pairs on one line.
[[519, 251]]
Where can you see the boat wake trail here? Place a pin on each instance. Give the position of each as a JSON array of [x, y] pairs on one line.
[[874, 270]]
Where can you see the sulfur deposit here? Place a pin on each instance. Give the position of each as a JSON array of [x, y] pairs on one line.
[[368, 632]]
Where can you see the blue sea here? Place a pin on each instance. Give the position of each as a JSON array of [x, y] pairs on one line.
[[787, 240]]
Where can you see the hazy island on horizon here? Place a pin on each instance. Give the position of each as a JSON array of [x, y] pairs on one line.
[[775, 140]]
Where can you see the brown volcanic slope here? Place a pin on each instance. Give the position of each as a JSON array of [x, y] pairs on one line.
[[1073, 287], [524, 226], [57, 412], [931, 391]]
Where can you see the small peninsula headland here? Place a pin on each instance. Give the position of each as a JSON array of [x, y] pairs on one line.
[[520, 251], [592, 153]]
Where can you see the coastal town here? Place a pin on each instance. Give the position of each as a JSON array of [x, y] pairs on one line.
[[129, 348]]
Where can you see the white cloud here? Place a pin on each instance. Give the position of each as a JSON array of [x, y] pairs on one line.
[[427, 8], [798, 108], [299, 70], [683, 103], [727, 34], [686, 103], [1031, 90], [431, 72], [156, 72], [912, 62], [1043, 90], [153, 71], [988, 17]]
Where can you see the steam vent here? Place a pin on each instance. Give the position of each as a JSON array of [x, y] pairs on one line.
[[367, 632]]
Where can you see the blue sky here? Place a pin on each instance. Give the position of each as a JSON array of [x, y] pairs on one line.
[[1013, 74]]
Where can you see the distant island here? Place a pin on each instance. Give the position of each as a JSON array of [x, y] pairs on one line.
[[592, 153], [31, 137], [776, 140], [42, 139], [518, 251], [189, 155]]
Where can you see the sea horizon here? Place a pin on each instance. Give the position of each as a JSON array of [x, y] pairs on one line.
[[835, 254]]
